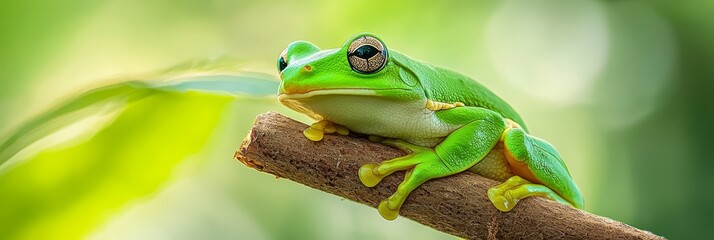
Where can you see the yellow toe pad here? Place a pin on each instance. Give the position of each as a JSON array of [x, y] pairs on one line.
[[367, 176], [386, 212]]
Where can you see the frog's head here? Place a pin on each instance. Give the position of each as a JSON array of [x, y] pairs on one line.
[[362, 69]]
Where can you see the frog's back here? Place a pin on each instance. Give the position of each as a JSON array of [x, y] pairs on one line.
[[452, 87], [449, 87], [444, 85]]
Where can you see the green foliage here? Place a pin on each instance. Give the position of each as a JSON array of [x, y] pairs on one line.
[[69, 191]]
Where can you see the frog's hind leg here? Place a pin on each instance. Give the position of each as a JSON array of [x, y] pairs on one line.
[[539, 171]]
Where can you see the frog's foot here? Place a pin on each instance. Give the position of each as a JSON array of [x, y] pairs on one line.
[[506, 195], [427, 165], [389, 208], [371, 174], [317, 130], [501, 196], [422, 164]]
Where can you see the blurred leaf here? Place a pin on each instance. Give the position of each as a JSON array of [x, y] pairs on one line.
[[62, 115], [69, 191], [253, 84], [220, 83]]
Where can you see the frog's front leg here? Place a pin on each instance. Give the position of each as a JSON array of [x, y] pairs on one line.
[[371, 174], [317, 130], [459, 151]]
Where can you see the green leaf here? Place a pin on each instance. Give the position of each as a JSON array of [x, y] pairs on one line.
[[254, 84], [68, 112], [70, 190]]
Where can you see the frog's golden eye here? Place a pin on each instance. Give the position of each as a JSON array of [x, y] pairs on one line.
[[367, 55]]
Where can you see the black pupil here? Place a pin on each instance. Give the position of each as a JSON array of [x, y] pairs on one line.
[[365, 52], [282, 64]]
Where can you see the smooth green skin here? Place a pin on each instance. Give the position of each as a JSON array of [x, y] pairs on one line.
[[391, 103]]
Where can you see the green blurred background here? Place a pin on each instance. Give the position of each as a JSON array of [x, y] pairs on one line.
[[622, 88]]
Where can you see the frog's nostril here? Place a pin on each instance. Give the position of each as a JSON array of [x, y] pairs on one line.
[[308, 68]]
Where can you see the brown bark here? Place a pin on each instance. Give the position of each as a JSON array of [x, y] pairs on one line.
[[456, 205]]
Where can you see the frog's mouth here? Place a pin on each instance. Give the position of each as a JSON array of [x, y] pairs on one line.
[[297, 100], [318, 92]]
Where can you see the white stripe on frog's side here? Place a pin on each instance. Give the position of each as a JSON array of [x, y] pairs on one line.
[[363, 112]]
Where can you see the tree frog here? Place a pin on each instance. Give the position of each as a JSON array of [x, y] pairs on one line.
[[445, 121]]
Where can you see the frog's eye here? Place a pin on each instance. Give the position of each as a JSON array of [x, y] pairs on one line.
[[282, 62], [367, 55]]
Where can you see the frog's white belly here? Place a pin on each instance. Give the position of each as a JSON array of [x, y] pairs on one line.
[[410, 121]]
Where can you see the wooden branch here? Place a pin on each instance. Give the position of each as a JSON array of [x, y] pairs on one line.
[[456, 205]]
